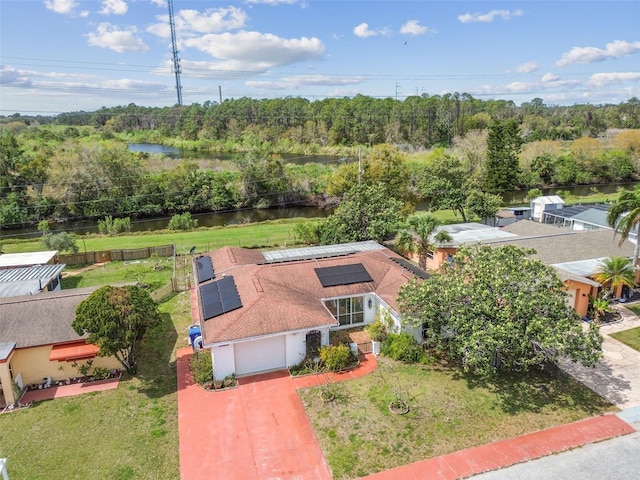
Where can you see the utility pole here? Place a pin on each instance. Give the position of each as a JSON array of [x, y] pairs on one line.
[[220, 93], [397, 88], [174, 46]]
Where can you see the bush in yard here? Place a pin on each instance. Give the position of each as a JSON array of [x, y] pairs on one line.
[[403, 347], [201, 367], [182, 221], [336, 357]]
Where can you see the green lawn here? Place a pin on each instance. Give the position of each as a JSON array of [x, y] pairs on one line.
[[264, 234], [630, 337], [127, 433], [449, 411]]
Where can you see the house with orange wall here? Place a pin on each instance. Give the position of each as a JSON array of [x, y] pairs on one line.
[[575, 254]]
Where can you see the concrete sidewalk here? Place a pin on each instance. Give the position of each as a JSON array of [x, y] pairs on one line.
[[617, 376]]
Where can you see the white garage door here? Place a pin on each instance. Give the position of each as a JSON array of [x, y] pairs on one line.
[[260, 355]]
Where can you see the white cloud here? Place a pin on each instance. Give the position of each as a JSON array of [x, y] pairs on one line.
[[363, 31], [160, 3], [292, 83], [547, 82], [194, 22], [615, 49], [111, 37], [413, 27], [255, 51], [9, 76], [527, 67], [61, 6], [602, 79], [114, 7], [489, 16]]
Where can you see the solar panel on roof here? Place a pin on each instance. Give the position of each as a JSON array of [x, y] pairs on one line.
[[204, 269], [219, 297], [343, 275], [418, 272], [211, 307]]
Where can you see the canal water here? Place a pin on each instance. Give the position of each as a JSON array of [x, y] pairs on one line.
[[250, 215]]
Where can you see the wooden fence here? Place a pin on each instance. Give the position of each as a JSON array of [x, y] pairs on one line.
[[115, 255], [176, 284]]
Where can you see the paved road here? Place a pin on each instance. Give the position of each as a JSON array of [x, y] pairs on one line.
[[616, 459]]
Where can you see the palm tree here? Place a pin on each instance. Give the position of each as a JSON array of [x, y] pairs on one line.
[[420, 236], [616, 271], [624, 217]]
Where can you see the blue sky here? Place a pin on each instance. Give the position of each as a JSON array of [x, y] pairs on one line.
[[67, 55]]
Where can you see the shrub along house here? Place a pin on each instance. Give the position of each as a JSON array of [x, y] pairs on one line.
[[261, 311], [37, 343]]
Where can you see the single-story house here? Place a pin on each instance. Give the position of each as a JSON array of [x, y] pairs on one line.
[[261, 311], [29, 259], [583, 217], [38, 343], [18, 281], [463, 234], [575, 254]]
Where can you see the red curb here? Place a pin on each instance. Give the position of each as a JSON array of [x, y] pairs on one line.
[[505, 453]]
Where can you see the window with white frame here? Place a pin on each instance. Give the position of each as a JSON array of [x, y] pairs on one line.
[[348, 311]]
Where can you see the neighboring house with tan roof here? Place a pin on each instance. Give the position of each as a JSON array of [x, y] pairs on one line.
[[575, 254], [260, 311], [38, 342]]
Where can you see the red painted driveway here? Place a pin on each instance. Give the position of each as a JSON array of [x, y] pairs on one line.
[[256, 431]]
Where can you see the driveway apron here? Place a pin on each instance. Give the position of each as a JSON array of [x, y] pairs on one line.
[[256, 431]]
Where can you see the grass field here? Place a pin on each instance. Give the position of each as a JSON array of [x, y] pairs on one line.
[[448, 411], [630, 337], [127, 433], [264, 234]]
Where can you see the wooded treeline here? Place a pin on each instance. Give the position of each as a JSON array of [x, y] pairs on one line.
[[419, 121], [78, 166]]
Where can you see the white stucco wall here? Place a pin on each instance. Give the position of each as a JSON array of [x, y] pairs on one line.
[[224, 362], [296, 346], [370, 313]]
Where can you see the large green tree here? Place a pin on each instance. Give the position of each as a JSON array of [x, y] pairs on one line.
[[383, 164], [367, 212], [502, 169], [445, 183], [624, 217], [116, 319], [498, 309]]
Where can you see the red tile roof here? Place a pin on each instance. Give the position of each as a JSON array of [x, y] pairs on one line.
[[284, 297]]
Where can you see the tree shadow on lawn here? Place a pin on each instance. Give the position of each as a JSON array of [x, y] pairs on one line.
[[533, 391], [156, 370]]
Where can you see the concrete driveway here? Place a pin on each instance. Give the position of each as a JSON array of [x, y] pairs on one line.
[[256, 431]]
